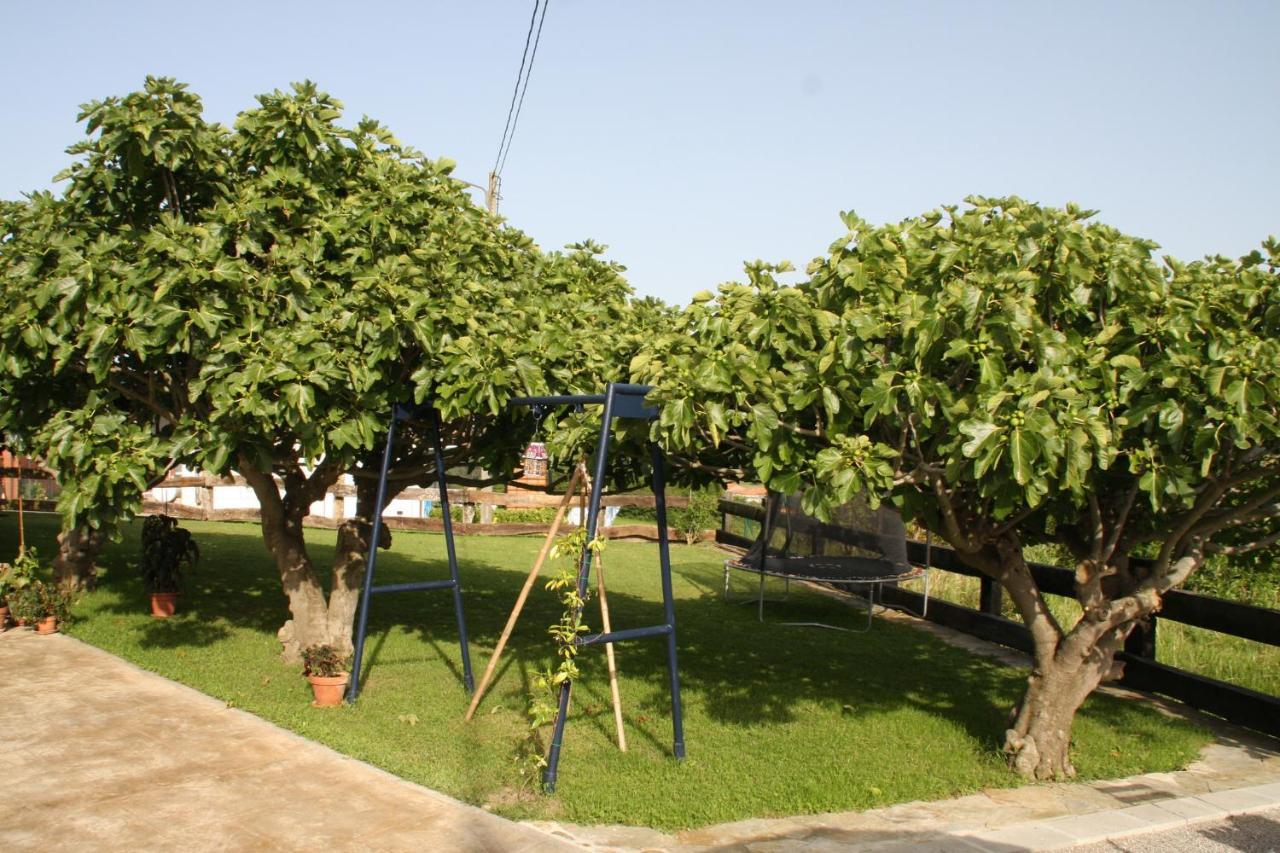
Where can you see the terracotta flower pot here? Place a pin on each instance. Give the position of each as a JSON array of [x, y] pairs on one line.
[[328, 690], [4, 616], [163, 603], [47, 625]]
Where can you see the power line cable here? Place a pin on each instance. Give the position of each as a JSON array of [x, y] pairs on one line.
[[532, 57], [516, 91]]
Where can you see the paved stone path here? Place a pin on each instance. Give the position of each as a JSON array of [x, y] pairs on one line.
[[1256, 832], [100, 755]]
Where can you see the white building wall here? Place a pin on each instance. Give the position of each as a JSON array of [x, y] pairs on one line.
[[241, 497], [234, 497]]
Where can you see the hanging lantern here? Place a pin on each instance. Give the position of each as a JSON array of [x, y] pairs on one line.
[[535, 465]]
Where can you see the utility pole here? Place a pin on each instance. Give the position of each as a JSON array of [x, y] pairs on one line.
[[491, 194], [491, 202]]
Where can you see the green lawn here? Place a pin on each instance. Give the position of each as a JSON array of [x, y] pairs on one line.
[[778, 720]]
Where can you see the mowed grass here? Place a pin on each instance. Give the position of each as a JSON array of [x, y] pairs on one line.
[[778, 720]]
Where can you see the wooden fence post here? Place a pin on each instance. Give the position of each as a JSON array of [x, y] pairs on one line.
[[1142, 639], [989, 593]]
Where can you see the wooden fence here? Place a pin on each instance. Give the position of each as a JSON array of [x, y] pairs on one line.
[[467, 500], [1142, 671]]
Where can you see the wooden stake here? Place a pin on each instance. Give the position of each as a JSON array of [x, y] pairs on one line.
[[22, 527], [604, 626], [579, 476], [608, 651]]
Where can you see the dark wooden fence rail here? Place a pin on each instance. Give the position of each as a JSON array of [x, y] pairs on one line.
[[1232, 702]]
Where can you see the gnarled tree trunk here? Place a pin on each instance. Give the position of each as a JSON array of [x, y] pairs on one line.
[[350, 557], [317, 619], [1066, 666], [1039, 740], [75, 567], [282, 532]]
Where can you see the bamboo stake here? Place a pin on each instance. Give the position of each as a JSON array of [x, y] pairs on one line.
[[579, 475], [22, 527], [608, 651], [604, 626]]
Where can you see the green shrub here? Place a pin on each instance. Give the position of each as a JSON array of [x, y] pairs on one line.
[[323, 661], [39, 600], [18, 575], [166, 550], [536, 515], [701, 514]]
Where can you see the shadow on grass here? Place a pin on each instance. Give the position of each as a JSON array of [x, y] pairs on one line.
[[181, 633], [740, 671], [743, 673]]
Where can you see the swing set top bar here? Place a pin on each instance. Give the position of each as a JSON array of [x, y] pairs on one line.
[[628, 401]]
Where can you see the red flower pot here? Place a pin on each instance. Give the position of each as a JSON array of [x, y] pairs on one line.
[[162, 604], [328, 690], [47, 625]]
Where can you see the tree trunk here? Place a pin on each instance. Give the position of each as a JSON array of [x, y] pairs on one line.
[[349, 561], [348, 575], [310, 624], [1038, 745], [75, 567], [1066, 668], [282, 532]]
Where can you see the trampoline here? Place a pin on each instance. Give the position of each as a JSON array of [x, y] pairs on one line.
[[879, 543]]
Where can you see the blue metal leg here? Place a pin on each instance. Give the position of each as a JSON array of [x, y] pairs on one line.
[[668, 598], [362, 624], [467, 680], [584, 576]]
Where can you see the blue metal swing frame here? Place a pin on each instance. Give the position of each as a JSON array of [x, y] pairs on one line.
[[620, 401], [368, 590]]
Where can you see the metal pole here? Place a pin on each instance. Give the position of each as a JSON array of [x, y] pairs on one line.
[[584, 572], [467, 680], [362, 625], [766, 534], [668, 598]]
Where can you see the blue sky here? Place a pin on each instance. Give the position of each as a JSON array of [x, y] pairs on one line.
[[690, 137]]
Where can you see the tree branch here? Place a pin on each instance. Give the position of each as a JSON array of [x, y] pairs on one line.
[[1237, 514], [1013, 521], [1173, 542], [129, 393], [1247, 548], [1122, 519], [1015, 576], [818, 433], [736, 473], [1097, 533]]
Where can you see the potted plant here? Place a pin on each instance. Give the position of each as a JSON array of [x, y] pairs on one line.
[[167, 550], [14, 578], [326, 668], [43, 605]]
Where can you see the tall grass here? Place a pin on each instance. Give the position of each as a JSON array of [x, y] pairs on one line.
[[1237, 661]]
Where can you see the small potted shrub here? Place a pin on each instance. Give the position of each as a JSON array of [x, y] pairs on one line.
[[14, 578], [326, 669], [167, 550], [702, 513], [43, 605]]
